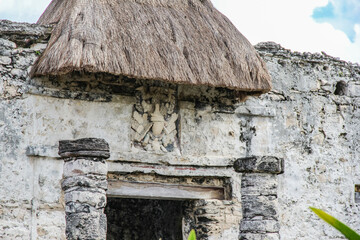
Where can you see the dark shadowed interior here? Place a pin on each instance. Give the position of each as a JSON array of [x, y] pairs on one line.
[[135, 219]]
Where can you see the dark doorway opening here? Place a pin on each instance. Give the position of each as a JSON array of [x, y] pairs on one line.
[[135, 219]]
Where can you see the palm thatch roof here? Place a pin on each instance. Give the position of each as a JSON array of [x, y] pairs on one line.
[[178, 41]]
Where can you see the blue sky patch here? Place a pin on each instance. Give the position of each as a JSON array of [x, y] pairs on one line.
[[343, 15]]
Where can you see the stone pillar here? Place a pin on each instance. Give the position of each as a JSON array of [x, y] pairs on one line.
[[259, 184], [85, 184]]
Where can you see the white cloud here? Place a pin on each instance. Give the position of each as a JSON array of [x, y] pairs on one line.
[[289, 23], [342, 14]]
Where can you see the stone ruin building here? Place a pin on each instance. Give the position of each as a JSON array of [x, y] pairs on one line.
[[144, 119]]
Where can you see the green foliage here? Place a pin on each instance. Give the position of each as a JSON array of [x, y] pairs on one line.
[[192, 235], [38, 53], [348, 232]]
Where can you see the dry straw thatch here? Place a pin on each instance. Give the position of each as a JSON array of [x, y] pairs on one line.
[[179, 41]]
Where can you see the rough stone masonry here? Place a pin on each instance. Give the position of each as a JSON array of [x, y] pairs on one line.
[[85, 186], [310, 119]]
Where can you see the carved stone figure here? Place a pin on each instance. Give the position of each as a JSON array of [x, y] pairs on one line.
[[154, 119]]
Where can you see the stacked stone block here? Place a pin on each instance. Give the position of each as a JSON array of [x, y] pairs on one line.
[[212, 218], [259, 197], [85, 185]]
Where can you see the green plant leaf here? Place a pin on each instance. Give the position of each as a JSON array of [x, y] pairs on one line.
[[192, 235], [348, 232]]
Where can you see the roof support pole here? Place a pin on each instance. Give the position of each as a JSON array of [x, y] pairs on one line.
[[85, 184]]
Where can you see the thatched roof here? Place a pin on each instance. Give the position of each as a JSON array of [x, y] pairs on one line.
[[179, 41]]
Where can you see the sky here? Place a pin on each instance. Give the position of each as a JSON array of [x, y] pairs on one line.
[[331, 26]]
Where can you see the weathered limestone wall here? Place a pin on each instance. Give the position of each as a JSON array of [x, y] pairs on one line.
[[308, 120], [31, 201], [316, 130]]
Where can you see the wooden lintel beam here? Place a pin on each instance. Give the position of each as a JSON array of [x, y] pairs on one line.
[[145, 190]]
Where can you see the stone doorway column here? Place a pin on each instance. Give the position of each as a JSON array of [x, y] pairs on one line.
[[85, 184], [259, 198]]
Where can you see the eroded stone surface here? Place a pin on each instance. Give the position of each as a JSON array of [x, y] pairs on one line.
[[265, 164], [24, 34], [86, 226], [84, 194], [90, 147]]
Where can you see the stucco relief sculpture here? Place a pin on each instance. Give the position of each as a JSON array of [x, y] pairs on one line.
[[154, 119]]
